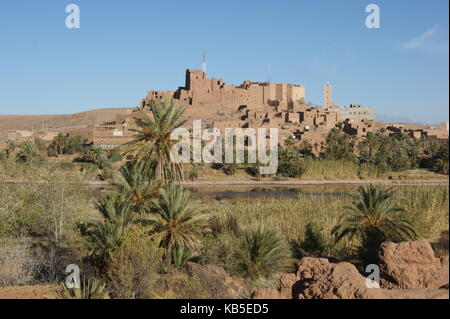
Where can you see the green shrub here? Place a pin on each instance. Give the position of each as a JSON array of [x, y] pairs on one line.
[[222, 250], [426, 207], [74, 144], [314, 241], [115, 156], [49, 211], [374, 216], [134, 266], [181, 255], [264, 252], [293, 169], [90, 289], [186, 287]]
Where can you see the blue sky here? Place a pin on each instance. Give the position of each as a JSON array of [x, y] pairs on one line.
[[125, 48]]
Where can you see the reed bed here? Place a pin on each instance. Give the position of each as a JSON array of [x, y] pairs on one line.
[[427, 207]]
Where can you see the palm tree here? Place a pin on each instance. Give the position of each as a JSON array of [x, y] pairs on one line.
[[11, 146], [40, 144], [27, 153], [108, 235], [439, 160], [263, 252], [136, 186], [373, 217], [340, 146], [105, 237], [177, 220], [60, 142], [75, 144], [152, 144], [97, 156], [369, 147], [115, 208]]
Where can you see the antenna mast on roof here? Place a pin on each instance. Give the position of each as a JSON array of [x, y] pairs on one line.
[[204, 61], [269, 72]]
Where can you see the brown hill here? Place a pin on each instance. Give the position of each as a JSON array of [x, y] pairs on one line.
[[50, 122]]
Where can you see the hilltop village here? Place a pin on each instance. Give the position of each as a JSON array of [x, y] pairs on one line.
[[251, 104]]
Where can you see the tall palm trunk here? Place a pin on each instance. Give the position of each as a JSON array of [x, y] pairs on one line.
[[169, 249]]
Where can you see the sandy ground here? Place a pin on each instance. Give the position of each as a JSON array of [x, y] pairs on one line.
[[28, 292]]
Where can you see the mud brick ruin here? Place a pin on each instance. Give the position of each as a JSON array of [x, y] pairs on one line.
[[255, 105]]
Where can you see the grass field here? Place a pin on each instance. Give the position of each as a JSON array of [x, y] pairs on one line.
[[427, 207]]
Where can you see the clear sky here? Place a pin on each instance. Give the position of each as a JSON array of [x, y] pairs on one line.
[[125, 48]]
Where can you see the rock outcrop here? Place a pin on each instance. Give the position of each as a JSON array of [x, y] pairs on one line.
[[317, 278], [412, 265], [287, 281]]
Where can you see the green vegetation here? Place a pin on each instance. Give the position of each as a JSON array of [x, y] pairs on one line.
[[27, 153], [375, 216], [340, 146], [135, 186], [135, 265], [107, 235], [96, 155], [264, 252], [178, 220], [143, 225], [90, 289], [152, 143], [307, 222], [378, 156]]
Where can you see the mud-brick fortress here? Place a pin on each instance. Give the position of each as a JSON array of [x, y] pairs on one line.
[[200, 91], [251, 104], [265, 104]]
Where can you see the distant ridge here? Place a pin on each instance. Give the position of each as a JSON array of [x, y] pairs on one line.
[[37, 122], [389, 119]]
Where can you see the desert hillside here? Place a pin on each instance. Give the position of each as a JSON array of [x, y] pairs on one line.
[[28, 122]]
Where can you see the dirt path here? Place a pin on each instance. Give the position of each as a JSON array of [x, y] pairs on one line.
[[201, 184], [29, 292], [443, 182]]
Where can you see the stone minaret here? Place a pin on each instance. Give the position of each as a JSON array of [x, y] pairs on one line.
[[328, 95]]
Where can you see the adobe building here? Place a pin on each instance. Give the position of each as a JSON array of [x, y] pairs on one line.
[[108, 135], [264, 104], [359, 127], [200, 91], [439, 134], [358, 112], [251, 104]]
